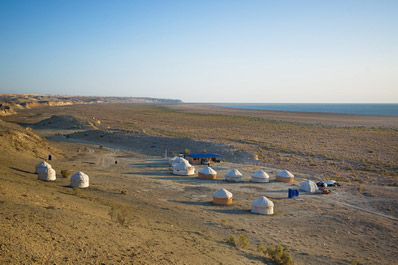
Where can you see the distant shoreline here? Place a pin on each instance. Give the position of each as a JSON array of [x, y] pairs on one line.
[[319, 118], [381, 109]]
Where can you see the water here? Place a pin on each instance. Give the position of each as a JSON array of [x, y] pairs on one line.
[[357, 108]]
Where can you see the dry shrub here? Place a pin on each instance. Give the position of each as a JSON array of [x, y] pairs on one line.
[[65, 173], [121, 214], [279, 254], [243, 241]]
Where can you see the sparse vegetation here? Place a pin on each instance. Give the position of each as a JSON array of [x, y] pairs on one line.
[[279, 254], [231, 240], [65, 173], [242, 243], [357, 261], [121, 214]]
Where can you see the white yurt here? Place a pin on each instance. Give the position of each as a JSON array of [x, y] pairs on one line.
[[46, 174], [222, 197], [41, 165], [308, 186], [171, 160], [79, 180], [260, 176], [183, 169], [285, 176], [176, 161], [263, 205], [207, 173], [233, 176]]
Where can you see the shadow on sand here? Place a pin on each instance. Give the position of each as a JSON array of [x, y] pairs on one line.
[[208, 203], [21, 170], [230, 211]]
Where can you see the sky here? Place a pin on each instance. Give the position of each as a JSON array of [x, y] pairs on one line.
[[252, 51]]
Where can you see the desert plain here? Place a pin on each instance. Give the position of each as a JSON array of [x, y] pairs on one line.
[[137, 212]]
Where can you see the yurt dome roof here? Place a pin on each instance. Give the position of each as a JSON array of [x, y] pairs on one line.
[[309, 186], [260, 174], [207, 171], [233, 173], [43, 164], [184, 164], [223, 193], [79, 175], [262, 202], [178, 159], [285, 174]]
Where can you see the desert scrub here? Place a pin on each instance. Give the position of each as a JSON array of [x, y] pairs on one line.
[[121, 214], [231, 240], [65, 173], [242, 243], [279, 254]]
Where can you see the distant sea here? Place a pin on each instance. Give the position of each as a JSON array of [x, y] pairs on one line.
[[357, 108]]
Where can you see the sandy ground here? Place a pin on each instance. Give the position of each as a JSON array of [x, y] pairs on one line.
[[172, 219]]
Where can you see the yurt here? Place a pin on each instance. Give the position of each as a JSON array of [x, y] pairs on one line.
[[207, 173], [171, 160], [260, 176], [308, 186], [285, 176], [46, 174], [222, 197], [183, 169], [176, 161], [233, 176], [262, 205], [41, 165], [79, 180]]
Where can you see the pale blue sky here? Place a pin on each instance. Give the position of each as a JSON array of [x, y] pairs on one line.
[[202, 51]]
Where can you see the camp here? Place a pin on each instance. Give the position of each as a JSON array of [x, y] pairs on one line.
[[41, 165], [308, 186], [262, 205], [207, 173], [46, 174], [183, 169], [285, 176], [79, 180], [222, 197], [233, 176], [260, 176]]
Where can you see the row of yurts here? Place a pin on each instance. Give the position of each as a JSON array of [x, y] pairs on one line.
[[262, 205], [45, 172]]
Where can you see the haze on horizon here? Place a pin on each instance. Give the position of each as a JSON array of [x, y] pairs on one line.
[[202, 51]]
